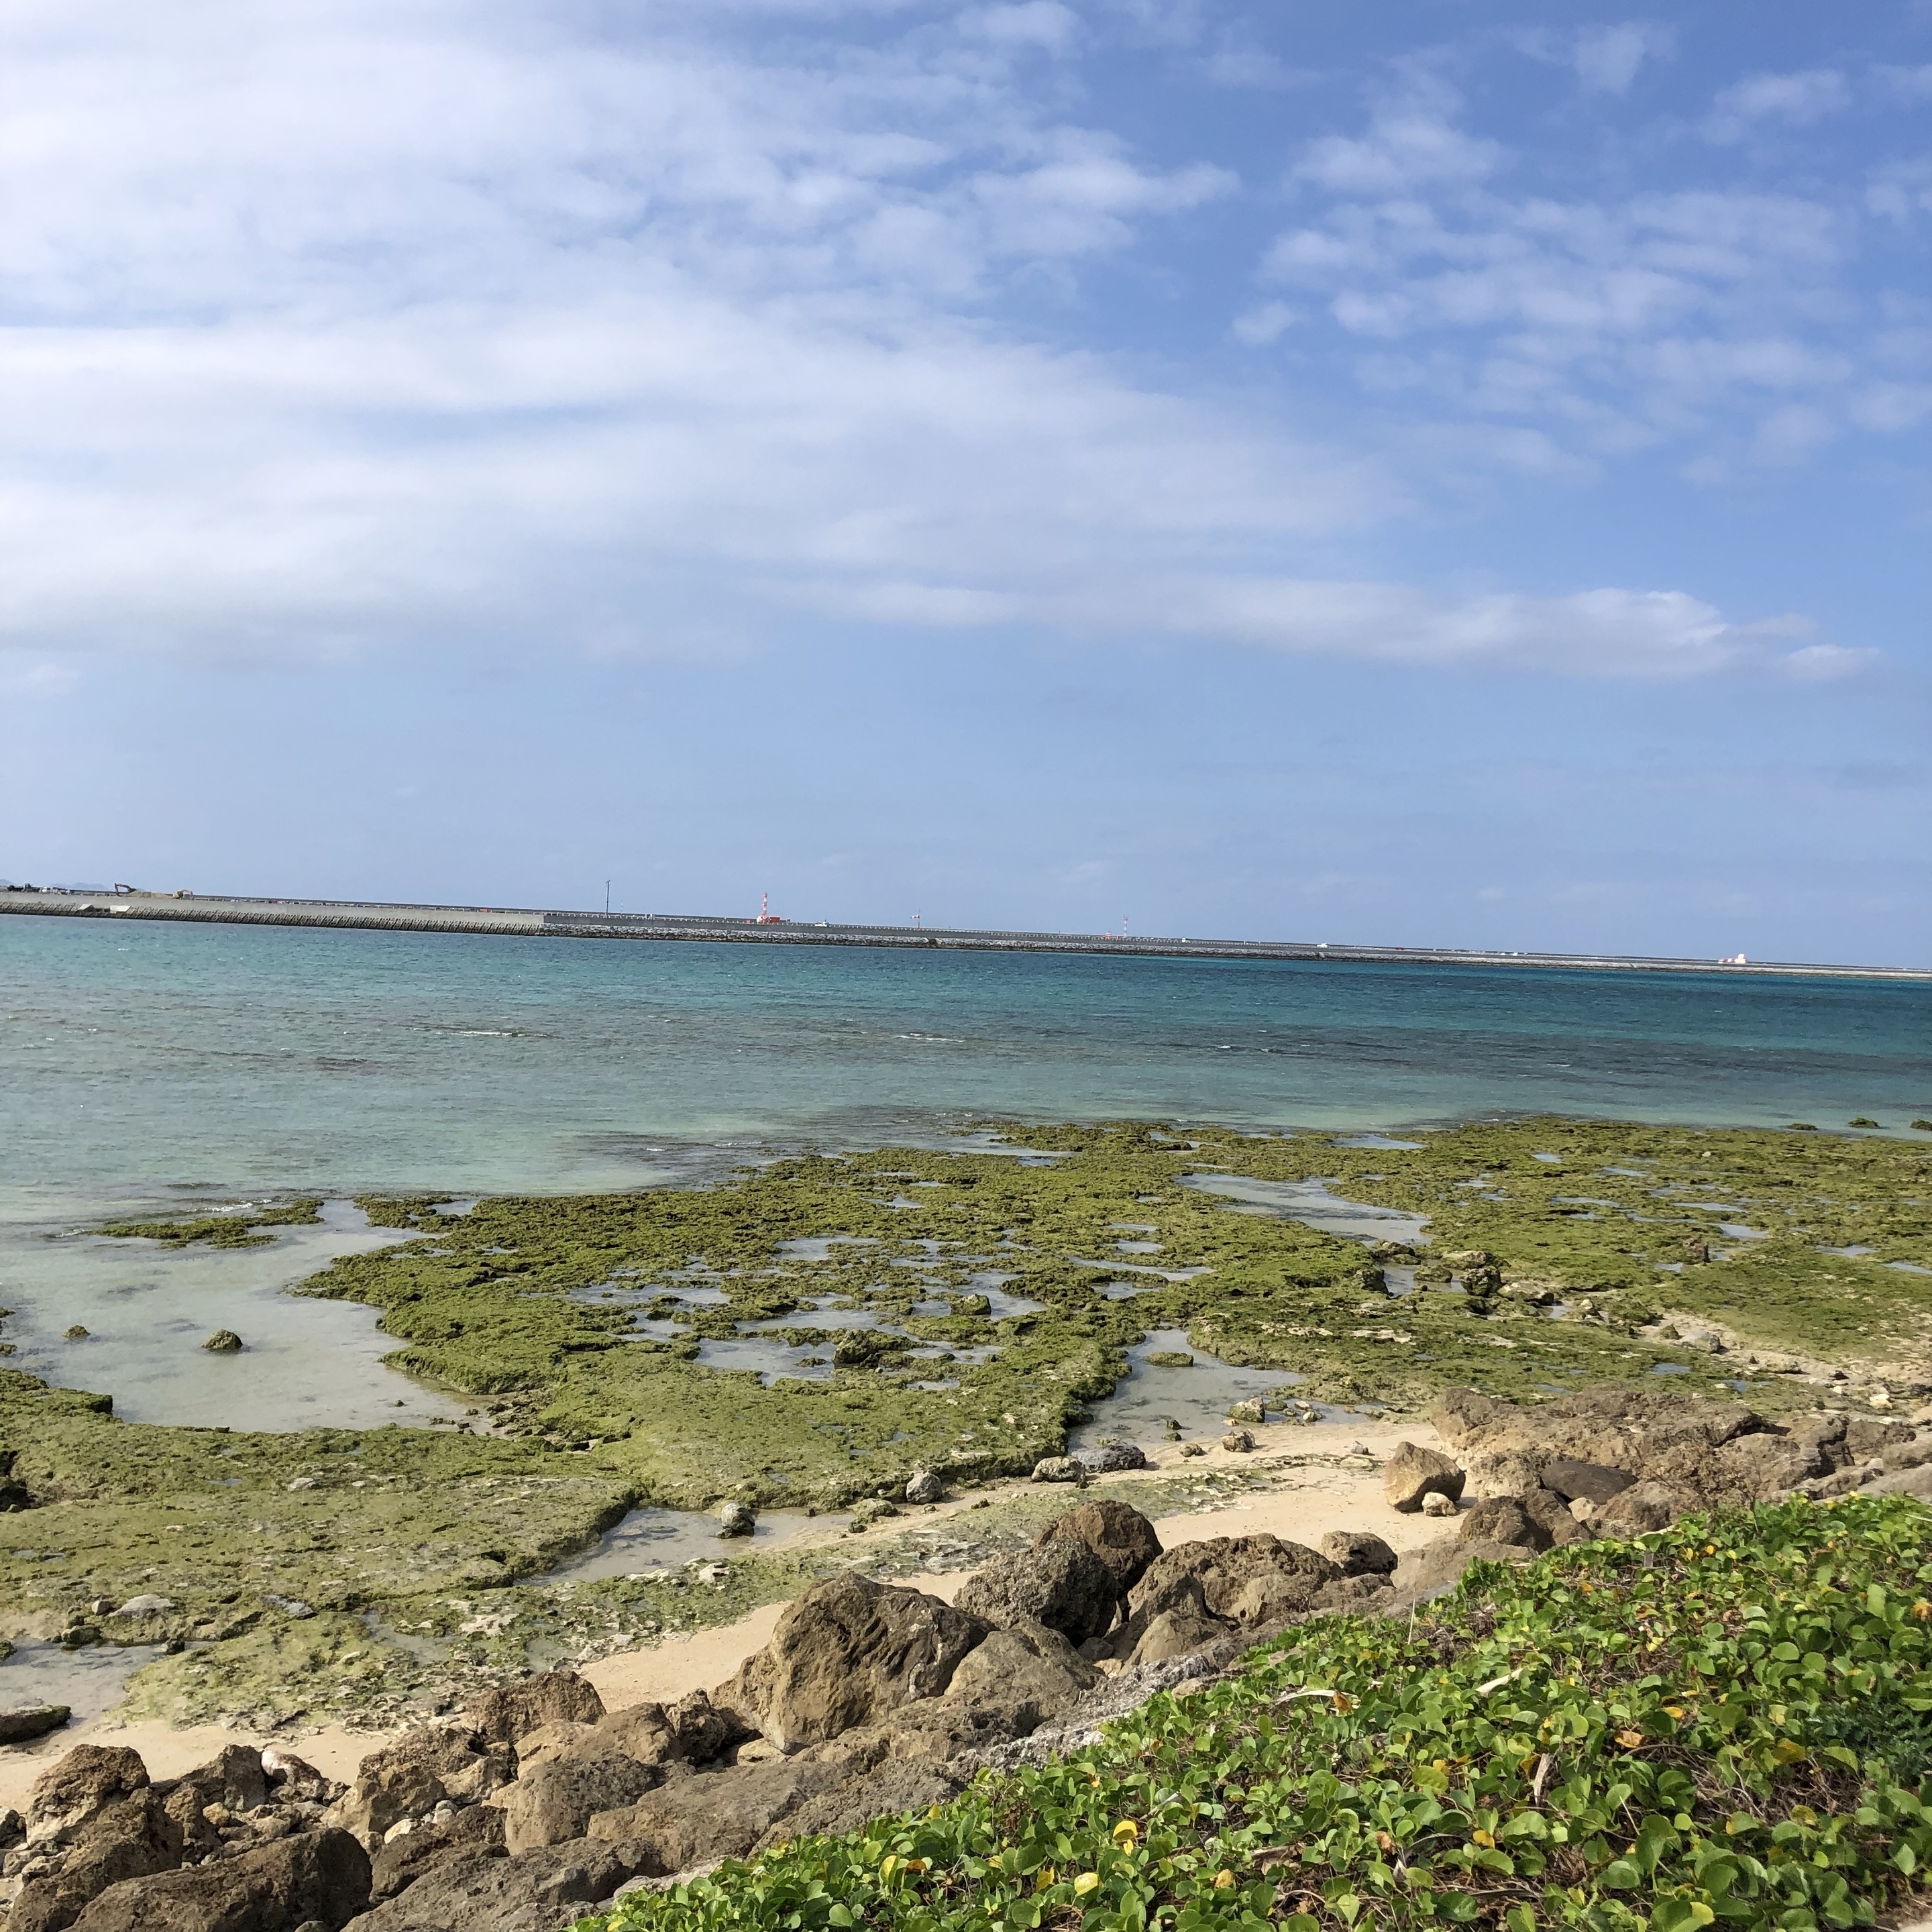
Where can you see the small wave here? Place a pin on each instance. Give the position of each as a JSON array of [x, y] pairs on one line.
[[482, 1033]]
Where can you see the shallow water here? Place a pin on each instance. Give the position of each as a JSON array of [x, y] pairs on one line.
[[664, 1539], [90, 1682], [1199, 1399], [304, 1364], [1310, 1203]]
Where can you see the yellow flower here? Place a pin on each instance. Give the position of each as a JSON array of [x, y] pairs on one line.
[[1484, 1838], [1223, 1879], [1921, 1609], [1086, 1882], [1630, 1740]]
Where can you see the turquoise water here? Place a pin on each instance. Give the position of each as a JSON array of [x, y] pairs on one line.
[[168, 1067], [139, 1062]]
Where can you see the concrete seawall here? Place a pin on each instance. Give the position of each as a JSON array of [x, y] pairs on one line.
[[533, 922]]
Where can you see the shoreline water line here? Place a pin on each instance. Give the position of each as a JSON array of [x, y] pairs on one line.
[[539, 922]]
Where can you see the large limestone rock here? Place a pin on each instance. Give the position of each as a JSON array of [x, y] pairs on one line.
[[716, 1815], [1413, 1472], [317, 1878], [1358, 1552], [1024, 1664], [404, 1858], [86, 1780], [1227, 1569], [512, 1711], [1587, 1482], [480, 1892], [1116, 1532], [1061, 1583], [556, 1802], [1438, 1568], [845, 1652], [1540, 1520], [1178, 1632], [412, 1776], [128, 1838]]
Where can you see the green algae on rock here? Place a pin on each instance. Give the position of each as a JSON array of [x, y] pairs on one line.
[[233, 1230]]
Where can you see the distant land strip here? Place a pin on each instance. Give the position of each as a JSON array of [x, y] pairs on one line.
[[533, 922]]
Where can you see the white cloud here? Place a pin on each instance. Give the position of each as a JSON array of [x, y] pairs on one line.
[[1792, 100], [1411, 142], [1607, 59]]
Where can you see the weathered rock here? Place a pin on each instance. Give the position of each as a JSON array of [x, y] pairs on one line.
[[1591, 1482], [1363, 1592], [318, 1877], [1358, 1552], [236, 1778], [147, 1605], [86, 1780], [1024, 1663], [1502, 1520], [512, 1711], [853, 1803], [1439, 1568], [535, 1892], [1413, 1472], [1238, 1441], [1436, 1504], [296, 1777], [1507, 1472], [719, 1814], [1063, 1584], [845, 1652], [1060, 1469], [1176, 1633], [923, 1487], [1116, 1532], [222, 1341], [705, 1731], [403, 1858], [1223, 1567], [557, 1801], [128, 1838], [1462, 1415], [736, 1519], [1117, 1456], [415, 1773], [1645, 1506], [1249, 1411], [1551, 1514], [34, 1720]]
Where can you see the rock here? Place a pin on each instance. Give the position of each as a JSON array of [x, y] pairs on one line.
[[844, 1653], [1248, 1411], [1221, 1568], [1024, 1663], [557, 1801], [1506, 1472], [716, 1815], [147, 1606], [1412, 1473], [129, 1837], [483, 1891], [1358, 1552], [86, 1780], [735, 1519], [512, 1711], [923, 1487], [1061, 1583], [1237, 1441], [1176, 1633], [295, 1778], [1643, 1507], [1430, 1572], [1583, 1509], [1060, 1469], [236, 1778], [1696, 1250], [33, 1721], [415, 1773], [402, 1860], [1551, 1514], [702, 1731], [1117, 1456], [1436, 1504], [318, 1877], [1590, 1481], [1363, 1592], [1503, 1520], [1461, 1414], [1192, 1449], [222, 1341], [1116, 1532]]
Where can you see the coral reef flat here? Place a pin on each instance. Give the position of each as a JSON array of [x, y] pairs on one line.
[[955, 1312]]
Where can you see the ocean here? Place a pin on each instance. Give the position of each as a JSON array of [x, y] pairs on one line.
[[158, 1068]]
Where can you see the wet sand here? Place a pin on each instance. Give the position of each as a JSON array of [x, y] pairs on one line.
[[1311, 1501]]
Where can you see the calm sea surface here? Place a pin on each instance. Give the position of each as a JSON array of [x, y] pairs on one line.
[[162, 1066], [135, 1060]]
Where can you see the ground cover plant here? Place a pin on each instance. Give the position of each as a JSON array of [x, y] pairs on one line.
[[1729, 1722]]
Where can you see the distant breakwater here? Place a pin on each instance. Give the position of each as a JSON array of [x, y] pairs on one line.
[[535, 923]]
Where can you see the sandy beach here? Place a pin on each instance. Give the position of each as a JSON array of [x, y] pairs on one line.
[[1310, 1500]]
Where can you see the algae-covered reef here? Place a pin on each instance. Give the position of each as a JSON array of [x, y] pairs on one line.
[[581, 1319], [955, 1311], [1724, 1723]]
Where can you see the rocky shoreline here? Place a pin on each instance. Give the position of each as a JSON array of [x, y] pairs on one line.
[[537, 1804]]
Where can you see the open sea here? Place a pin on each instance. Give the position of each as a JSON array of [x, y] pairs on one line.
[[159, 1067]]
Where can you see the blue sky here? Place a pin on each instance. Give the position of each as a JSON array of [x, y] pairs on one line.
[[1440, 473]]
